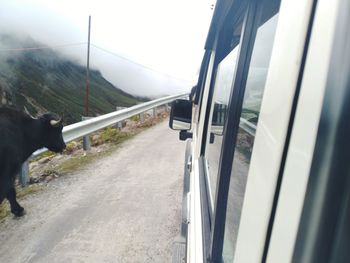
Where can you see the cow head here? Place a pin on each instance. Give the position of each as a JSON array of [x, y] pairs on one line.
[[52, 125]]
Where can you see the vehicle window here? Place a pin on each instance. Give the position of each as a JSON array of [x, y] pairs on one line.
[[255, 85], [226, 56], [223, 85]]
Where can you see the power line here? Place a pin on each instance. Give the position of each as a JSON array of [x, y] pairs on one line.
[[119, 56], [42, 47]]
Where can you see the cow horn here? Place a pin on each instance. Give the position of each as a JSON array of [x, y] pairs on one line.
[[26, 111], [55, 123]]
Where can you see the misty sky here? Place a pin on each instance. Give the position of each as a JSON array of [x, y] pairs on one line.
[[166, 36]]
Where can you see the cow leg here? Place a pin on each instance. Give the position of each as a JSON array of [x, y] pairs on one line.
[[16, 209]]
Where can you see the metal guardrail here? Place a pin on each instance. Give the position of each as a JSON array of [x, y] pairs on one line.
[[82, 128], [220, 110], [247, 126]]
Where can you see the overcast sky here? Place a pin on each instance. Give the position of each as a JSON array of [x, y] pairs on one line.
[[166, 36]]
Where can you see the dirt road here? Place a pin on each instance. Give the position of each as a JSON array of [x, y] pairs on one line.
[[123, 208]]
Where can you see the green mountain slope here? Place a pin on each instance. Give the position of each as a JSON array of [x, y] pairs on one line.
[[42, 80]]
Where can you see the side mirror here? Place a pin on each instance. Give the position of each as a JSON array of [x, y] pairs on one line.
[[218, 121], [181, 115]]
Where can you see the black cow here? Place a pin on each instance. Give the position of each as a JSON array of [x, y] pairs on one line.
[[20, 136]]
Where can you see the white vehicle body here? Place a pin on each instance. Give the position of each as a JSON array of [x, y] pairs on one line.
[[266, 126]]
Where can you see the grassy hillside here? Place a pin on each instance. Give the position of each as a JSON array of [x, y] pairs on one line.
[[42, 80]]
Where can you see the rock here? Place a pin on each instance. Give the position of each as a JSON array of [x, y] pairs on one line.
[[34, 180], [95, 139], [71, 147]]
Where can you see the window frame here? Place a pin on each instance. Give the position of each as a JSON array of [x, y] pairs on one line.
[[201, 79], [249, 30], [222, 49]]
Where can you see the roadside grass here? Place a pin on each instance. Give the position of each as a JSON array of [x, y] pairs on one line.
[[23, 191], [43, 155], [4, 210]]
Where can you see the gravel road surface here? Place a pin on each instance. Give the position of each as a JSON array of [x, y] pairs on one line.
[[122, 208]]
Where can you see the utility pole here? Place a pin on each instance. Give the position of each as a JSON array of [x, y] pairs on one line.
[[86, 139], [88, 73]]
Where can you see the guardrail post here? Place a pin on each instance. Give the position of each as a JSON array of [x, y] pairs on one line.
[[119, 125], [23, 176], [86, 143], [142, 117], [86, 138], [155, 112]]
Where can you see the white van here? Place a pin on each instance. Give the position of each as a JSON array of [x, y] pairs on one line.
[[267, 166]]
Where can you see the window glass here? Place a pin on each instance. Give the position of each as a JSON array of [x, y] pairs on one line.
[[226, 56], [222, 90], [250, 113]]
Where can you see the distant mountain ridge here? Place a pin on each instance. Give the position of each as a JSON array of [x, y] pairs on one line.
[[43, 80]]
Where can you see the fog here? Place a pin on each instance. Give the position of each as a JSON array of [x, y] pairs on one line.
[[147, 48]]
